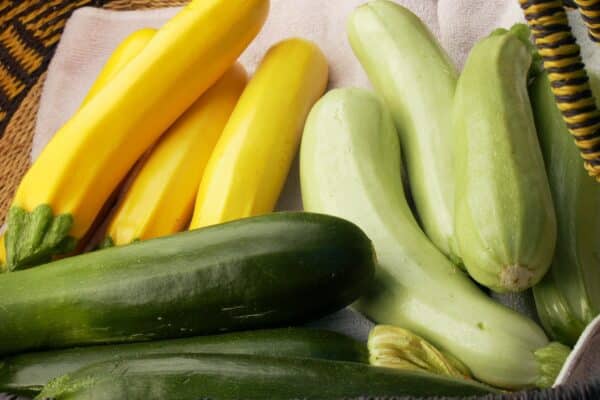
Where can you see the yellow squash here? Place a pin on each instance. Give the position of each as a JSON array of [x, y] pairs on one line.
[[160, 200], [247, 170], [121, 56], [2, 254], [127, 50], [64, 190]]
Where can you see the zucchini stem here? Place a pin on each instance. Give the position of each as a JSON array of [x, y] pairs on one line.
[[551, 360], [516, 278]]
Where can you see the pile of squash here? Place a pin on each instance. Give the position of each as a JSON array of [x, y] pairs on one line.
[[166, 179]]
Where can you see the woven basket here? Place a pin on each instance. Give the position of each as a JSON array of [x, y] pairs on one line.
[[29, 33]]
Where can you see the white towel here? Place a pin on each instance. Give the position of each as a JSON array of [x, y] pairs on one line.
[[92, 34]]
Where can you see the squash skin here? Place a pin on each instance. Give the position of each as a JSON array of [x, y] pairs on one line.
[[254, 273], [160, 201], [350, 167], [83, 164], [28, 373], [2, 254], [127, 50], [234, 376], [416, 78], [248, 168], [505, 219], [568, 298]]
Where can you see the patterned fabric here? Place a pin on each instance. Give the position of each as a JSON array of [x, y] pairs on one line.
[[29, 32]]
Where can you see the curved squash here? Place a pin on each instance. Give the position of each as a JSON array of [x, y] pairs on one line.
[[416, 78], [350, 167]]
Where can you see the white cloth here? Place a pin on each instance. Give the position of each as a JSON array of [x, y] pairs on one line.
[[92, 34]]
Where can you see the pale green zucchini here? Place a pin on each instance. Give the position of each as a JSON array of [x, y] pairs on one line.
[[416, 78], [505, 222], [568, 298], [350, 167]]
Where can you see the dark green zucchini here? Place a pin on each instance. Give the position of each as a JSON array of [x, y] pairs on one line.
[[28, 373], [273, 270], [226, 376]]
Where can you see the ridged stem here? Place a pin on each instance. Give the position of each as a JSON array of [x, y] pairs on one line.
[[551, 360], [34, 237]]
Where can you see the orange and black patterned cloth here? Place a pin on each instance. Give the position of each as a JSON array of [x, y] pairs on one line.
[[29, 33]]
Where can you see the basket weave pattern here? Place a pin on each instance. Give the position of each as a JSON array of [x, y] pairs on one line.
[[29, 33]]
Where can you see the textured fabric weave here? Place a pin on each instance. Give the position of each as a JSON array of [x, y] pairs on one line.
[[29, 32]]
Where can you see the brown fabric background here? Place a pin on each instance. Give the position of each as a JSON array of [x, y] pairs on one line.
[[29, 33]]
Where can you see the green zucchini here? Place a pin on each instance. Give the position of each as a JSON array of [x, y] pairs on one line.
[[413, 74], [228, 377], [277, 269], [505, 221], [28, 373], [350, 166], [568, 298]]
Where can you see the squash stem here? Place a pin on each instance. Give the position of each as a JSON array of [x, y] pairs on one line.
[[33, 238], [551, 360]]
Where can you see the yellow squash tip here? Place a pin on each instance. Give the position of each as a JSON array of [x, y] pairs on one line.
[[127, 50]]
